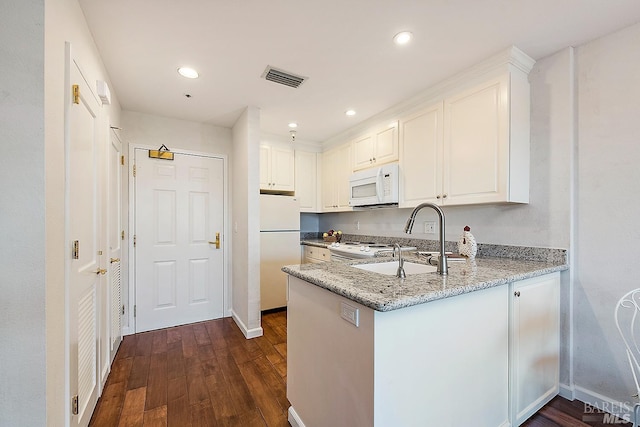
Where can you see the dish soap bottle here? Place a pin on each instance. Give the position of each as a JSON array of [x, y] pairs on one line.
[[467, 245]]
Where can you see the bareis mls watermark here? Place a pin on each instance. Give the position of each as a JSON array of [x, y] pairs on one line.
[[603, 413]]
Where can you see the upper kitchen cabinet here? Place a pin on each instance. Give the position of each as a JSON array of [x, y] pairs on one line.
[[306, 178], [277, 173], [375, 148], [472, 145], [336, 170]]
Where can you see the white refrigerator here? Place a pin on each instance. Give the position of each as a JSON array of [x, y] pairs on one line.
[[279, 246]]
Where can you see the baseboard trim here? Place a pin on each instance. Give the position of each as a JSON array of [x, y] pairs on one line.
[[248, 333], [622, 410], [294, 419], [567, 391]]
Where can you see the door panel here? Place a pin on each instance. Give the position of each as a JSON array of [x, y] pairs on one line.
[[179, 208], [84, 228]]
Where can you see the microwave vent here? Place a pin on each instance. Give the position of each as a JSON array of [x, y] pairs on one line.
[[282, 77]]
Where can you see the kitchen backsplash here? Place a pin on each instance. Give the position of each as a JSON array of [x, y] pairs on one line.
[[484, 249]]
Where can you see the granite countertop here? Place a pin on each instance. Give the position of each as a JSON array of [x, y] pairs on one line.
[[386, 293]]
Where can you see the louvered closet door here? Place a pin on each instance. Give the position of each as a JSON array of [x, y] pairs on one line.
[[115, 227]]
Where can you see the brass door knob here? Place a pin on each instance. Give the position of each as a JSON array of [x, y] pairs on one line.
[[114, 260], [217, 242], [101, 271]]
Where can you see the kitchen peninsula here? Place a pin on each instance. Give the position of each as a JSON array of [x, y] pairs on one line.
[[480, 345]]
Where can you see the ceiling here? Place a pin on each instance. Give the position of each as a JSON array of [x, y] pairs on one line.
[[344, 47]]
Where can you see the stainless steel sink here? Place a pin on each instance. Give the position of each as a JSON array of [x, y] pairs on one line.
[[391, 267]]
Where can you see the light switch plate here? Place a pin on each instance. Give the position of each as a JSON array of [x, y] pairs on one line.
[[350, 313]]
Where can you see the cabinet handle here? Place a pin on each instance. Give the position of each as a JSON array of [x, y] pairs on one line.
[[438, 196], [374, 159], [516, 293], [444, 196]]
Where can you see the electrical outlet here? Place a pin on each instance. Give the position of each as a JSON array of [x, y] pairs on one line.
[[357, 225], [429, 227]]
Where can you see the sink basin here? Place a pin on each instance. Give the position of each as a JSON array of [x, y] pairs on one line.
[[390, 268]]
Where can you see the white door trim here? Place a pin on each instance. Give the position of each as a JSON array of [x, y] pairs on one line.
[[226, 236]]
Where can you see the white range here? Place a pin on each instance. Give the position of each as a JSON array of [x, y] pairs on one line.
[[360, 250]]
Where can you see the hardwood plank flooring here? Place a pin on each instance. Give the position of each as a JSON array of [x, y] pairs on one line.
[[208, 374]]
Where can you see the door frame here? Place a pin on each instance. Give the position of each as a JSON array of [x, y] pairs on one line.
[[226, 237]]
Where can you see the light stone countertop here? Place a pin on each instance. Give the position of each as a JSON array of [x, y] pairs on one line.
[[385, 293]]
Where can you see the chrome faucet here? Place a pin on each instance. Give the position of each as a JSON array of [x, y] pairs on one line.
[[442, 258], [400, 273]]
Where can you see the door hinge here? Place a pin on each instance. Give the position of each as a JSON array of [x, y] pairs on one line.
[[122, 235], [74, 405], [123, 309], [75, 251], [135, 310], [134, 240], [134, 171], [76, 94], [122, 160]]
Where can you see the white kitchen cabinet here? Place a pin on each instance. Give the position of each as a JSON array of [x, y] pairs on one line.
[[474, 146], [534, 344], [277, 172], [336, 170], [306, 180], [376, 148], [495, 359], [315, 254]]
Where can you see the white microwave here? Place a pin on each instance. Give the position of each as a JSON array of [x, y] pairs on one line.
[[374, 186]]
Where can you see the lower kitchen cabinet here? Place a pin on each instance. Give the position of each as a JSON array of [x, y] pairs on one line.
[[487, 356], [315, 254], [534, 344]]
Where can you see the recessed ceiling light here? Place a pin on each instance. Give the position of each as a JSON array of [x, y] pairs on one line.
[[350, 113], [187, 72], [293, 125], [403, 37]]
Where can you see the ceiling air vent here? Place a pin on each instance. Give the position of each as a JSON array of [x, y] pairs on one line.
[[282, 77]]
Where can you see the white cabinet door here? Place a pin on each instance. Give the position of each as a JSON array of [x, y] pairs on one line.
[[386, 144], [476, 144], [306, 180], [363, 152], [277, 168], [265, 167], [336, 170], [535, 344], [421, 156], [376, 148], [343, 173], [329, 203], [282, 169]]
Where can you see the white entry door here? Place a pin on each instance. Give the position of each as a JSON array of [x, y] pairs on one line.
[[83, 231], [179, 268]]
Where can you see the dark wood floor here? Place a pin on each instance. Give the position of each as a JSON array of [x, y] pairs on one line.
[[208, 374]]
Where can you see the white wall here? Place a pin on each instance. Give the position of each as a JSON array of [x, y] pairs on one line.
[[608, 206], [64, 21], [147, 129], [245, 222], [22, 215]]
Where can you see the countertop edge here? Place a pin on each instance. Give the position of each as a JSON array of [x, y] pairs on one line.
[[402, 302]]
